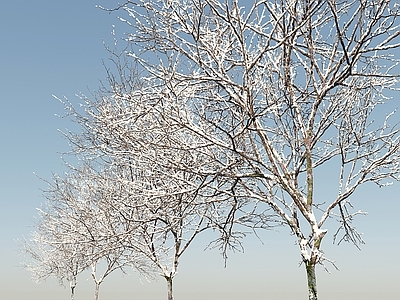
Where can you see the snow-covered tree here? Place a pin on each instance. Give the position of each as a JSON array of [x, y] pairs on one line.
[[53, 248], [150, 160], [77, 230], [270, 92]]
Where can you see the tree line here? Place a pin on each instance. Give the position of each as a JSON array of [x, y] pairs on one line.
[[217, 116]]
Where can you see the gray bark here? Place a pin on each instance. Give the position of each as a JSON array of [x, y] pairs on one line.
[[72, 292], [312, 281], [169, 288], [96, 291]]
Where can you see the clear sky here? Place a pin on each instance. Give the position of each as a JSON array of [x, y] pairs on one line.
[[55, 47]]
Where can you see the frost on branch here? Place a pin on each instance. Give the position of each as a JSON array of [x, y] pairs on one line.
[[277, 91]]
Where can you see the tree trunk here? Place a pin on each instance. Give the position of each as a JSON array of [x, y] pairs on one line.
[[169, 287], [72, 292], [72, 284], [96, 291], [312, 281]]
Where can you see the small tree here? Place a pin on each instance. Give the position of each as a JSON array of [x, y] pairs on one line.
[[77, 231], [55, 251], [279, 90]]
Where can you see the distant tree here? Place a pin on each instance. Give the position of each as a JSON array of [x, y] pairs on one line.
[[77, 231], [274, 91], [54, 250]]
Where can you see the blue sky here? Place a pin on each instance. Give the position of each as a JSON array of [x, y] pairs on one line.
[[56, 47]]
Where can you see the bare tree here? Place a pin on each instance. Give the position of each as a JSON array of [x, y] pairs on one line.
[[54, 250], [163, 206], [109, 252], [276, 91], [161, 179], [77, 231]]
